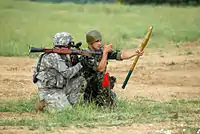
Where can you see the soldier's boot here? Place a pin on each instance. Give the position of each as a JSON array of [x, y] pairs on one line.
[[39, 106]]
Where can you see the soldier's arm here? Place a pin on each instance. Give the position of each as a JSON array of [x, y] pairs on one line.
[[68, 72], [103, 62], [129, 54], [115, 55], [122, 55], [54, 61]]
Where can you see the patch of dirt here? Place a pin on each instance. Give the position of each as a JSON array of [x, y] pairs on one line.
[[22, 114], [193, 44], [159, 74], [156, 128]]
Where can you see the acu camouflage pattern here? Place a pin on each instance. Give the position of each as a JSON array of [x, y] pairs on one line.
[[59, 83], [94, 92], [62, 39]]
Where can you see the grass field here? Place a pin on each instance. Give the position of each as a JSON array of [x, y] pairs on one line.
[[141, 110], [25, 23]]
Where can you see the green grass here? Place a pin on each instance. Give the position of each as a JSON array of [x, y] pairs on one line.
[[141, 110], [25, 23]]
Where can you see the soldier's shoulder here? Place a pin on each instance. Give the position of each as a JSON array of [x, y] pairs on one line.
[[51, 56]]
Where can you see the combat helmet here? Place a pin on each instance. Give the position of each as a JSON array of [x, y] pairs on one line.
[[92, 36], [62, 39]]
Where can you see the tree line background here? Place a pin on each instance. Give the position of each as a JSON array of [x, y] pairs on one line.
[[130, 2]]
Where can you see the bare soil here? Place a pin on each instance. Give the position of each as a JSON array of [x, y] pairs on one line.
[[160, 74]]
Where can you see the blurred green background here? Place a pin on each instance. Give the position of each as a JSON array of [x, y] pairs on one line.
[[25, 22]]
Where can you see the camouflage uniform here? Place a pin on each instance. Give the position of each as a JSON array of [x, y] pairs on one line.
[[94, 91], [59, 83]]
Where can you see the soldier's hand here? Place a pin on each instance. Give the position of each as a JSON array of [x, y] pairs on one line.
[[74, 59], [138, 52], [107, 48]]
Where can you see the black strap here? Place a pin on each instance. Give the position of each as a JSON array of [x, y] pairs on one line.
[[38, 68], [39, 62]]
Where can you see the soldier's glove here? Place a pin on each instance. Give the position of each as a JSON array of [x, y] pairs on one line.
[[75, 59]]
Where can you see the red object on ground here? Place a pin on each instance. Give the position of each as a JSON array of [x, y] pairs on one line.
[[106, 81]]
